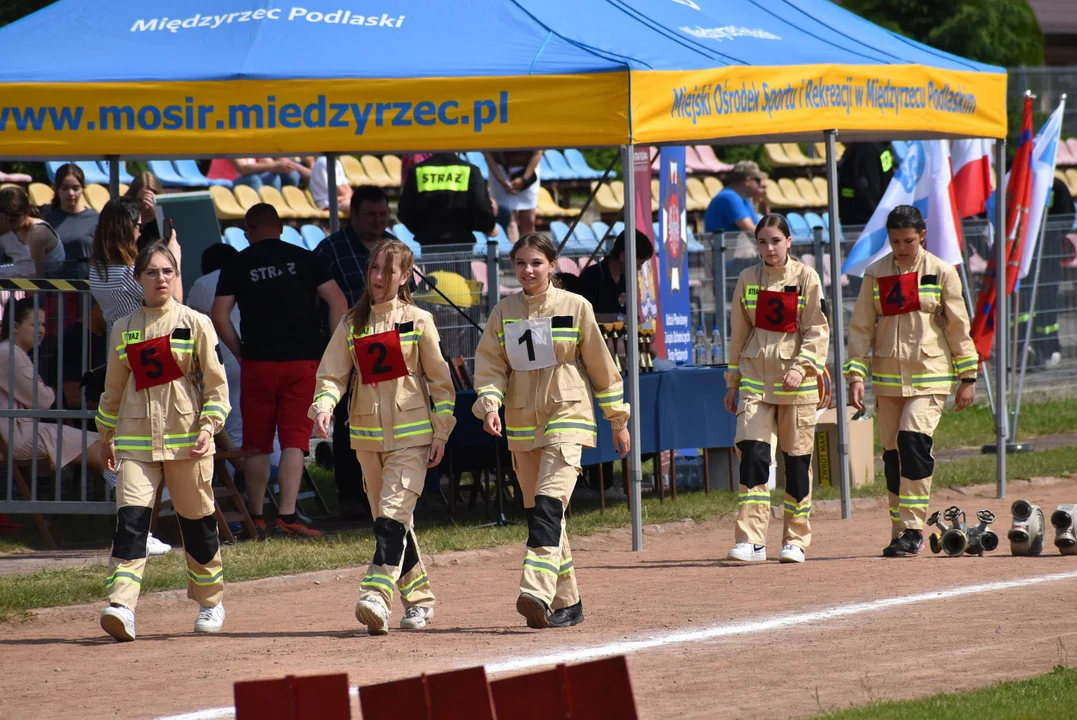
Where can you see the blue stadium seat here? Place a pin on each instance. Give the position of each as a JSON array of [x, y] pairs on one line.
[[557, 162], [618, 228], [168, 176], [694, 246], [416, 248], [798, 225], [814, 220], [547, 171], [826, 221], [188, 169], [479, 160], [292, 236], [401, 231], [312, 235], [600, 229], [577, 162], [125, 177], [559, 230], [236, 238], [92, 172]]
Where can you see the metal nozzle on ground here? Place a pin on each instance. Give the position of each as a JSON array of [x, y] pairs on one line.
[[1027, 531], [1065, 532], [952, 537]]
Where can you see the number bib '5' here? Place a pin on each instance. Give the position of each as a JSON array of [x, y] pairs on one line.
[[152, 362], [899, 294], [379, 357], [776, 311], [529, 344]]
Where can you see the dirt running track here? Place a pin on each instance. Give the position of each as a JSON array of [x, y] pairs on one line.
[[58, 665]]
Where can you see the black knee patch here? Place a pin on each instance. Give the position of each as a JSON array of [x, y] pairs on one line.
[[797, 476], [892, 471], [915, 451], [200, 537], [388, 541], [132, 529], [411, 554], [754, 463], [544, 523]]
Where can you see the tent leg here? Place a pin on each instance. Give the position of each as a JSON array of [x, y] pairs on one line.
[[1000, 318], [113, 176], [628, 167], [331, 178], [837, 331]]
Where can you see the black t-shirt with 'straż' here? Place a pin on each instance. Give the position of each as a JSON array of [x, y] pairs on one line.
[[276, 287]]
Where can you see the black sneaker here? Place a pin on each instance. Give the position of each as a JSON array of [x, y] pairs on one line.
[[535, 610], [567, 617], [908, 543]]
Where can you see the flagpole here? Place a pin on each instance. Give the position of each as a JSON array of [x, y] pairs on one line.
[[971, 310], [1000, 318]]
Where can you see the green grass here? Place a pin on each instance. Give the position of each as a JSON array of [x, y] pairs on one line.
[[1047, 696]]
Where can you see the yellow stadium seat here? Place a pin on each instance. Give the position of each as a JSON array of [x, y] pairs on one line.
[[225, 203], [820, 150], [124, 187], [696, 194], [794, 153], [96, 196], [392, 167], [297, 201], [821, 188], [792, 195], [1071, 175], [40, 193], [246, 196], [713, 185], [376, 172], [618, 188], [656, 200], [7, 185], [353, 169], [271, 195], [606, 201], [548, 208], [777, 155], [775, 198], [809, 193]]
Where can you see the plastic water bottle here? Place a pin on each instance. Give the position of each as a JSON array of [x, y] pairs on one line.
[[717, 349], [702, 352]]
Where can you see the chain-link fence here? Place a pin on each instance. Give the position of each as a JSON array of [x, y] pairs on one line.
[[1048, 84]]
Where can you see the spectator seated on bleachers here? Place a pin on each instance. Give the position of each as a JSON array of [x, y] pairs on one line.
[[731, 209], [274, 172], [27, 242], [319, 184], [72, 219]]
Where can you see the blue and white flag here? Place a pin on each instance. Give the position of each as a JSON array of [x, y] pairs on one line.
[[1044, 150], [924, 181]]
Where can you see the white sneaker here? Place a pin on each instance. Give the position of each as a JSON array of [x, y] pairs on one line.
[[156, 547], [791, 554], [415, 618], [1055, 359], [210, 619], [747, 552], [119, 622], [374, 615]]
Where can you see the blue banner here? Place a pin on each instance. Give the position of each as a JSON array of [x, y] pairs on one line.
[[672, 251]]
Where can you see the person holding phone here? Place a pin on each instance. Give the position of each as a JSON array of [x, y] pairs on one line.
[[911, 325], [400, 417], [165, 399], [539, 356]]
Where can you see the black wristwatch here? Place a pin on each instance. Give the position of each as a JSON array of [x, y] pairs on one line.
[[968, 380]]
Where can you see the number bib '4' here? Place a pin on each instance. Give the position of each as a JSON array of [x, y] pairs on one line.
[[379, 357], [152, 362], [529, 344], [776, 311], [899, 294]]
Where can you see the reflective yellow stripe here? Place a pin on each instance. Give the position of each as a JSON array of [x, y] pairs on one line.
[[443, 407], [405, 429], [205, 579], [454, 178]]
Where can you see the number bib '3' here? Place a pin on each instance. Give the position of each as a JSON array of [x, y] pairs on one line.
[[379, 357], [152, 362], [529, 344], [899, 294], [776, 311]]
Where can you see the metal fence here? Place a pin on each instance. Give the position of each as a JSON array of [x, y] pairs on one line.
[[1048, 84]]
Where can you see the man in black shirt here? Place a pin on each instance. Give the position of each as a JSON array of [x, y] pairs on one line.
[[603, 283], [277, 286], [445, 200]]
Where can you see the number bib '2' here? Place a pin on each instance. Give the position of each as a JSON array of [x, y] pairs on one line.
[[776, 311], [529, 344], [379, 357], [152, 362], [899, 294]]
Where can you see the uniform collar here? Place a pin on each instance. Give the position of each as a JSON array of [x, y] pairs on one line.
[[540, 298], [387, 306], [781, 270], [160, 310], [917, 261]]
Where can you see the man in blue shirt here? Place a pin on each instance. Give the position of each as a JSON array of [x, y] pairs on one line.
[[731, 209]]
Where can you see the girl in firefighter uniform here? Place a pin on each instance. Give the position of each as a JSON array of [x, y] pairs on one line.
[[911, 325], [777, 355], [539, 356], [165, 399], [400, 417]]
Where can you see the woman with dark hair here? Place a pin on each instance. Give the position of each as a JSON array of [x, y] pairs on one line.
[[779, 336], [165, 399], [73, 220], [144, 189], [28, 240], [910, 323], [540, 355]]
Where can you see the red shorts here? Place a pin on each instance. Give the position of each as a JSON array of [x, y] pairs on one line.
[[274, 398]]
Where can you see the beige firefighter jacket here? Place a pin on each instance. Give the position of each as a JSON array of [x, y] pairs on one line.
[[552, 404], [758, 359], [395, 414], [922, 352], [163, 422]]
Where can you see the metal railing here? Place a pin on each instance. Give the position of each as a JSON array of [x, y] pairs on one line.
[[1048, 84]]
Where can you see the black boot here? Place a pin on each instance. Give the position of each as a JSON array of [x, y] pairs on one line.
[[535, 610], [908, 543], [567, 617]]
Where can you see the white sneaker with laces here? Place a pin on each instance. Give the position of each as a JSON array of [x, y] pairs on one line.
[[119, 622], [747, 552], [156, 547], [374, 615], [210, 619], [791, 554], [415, 618]]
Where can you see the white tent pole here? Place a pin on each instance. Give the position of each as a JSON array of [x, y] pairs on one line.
[[331, 183], [837, 331], [628, 168], [1000, 317]]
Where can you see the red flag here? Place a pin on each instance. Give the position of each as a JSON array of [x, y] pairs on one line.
[[1018, 196], [972, 175]]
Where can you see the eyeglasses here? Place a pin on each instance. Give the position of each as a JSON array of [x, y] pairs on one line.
[[166, 273]]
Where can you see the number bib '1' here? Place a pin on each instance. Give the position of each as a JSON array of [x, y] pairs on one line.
[[529, 344], [776, 311], [379, 357], [152, 362], [899, 294]]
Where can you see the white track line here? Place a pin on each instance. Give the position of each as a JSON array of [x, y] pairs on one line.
[[751, 627]]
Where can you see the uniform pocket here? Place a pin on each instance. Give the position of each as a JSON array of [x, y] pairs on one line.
[[410, 395], [787, 349], [930, 347], [519, 390], [567, 387], [364, 401], [134, 405], [571, 453]]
